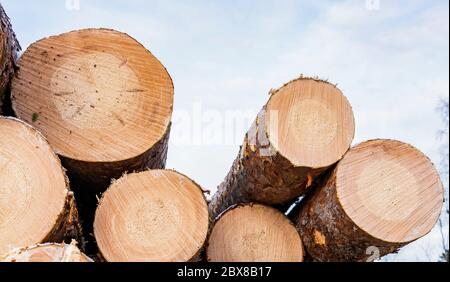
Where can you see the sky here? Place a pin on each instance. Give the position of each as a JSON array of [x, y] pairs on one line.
[[390, 59]]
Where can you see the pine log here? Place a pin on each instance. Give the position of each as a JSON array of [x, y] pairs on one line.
[[49, 252], [254, 233], [306, 127], [9, 48], [381, 196], [36, 204], [103, 101], [156, 215]]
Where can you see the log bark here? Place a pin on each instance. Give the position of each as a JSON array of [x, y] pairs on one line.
[[254, 233], [36, 204], [9, 48], [49, 252], [306, 127], [156, 215], [381, 196], [98, 175]]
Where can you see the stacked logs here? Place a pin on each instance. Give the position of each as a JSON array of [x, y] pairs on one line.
[[356, 204], [94, 116], [103, 101]]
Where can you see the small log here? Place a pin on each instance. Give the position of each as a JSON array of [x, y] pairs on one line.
[[36, 204], [156, 215], [381, 196], [254, 233]]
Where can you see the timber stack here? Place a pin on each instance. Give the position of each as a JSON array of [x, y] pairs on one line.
[[89, 118]]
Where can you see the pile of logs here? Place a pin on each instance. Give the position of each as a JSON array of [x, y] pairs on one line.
[[82, 168]]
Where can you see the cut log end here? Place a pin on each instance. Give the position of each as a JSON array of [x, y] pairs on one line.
[[95, 84], [310, 122], [254, 233], [156, 215], [48, 253], [381, 196], [390, 190], [34, 188]]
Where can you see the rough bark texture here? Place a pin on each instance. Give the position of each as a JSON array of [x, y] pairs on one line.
[[67, 227], [9, 47], [329, 234], [260, 174], [97, 176]]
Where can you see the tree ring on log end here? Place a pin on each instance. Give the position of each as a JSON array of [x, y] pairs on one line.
[[33, 187], [156, 215], [96, 94], [310, 122], [254, 233], [390, 190]]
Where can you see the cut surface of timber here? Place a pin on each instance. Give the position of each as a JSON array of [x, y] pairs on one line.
[[49, 252], [383, 194], [310, 123], [103, 101], [254, 233], [36, 204], [156, 215], [9, 47], [306, 127]]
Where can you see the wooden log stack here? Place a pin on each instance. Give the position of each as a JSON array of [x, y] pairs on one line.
[[104, 103], [305, 128]]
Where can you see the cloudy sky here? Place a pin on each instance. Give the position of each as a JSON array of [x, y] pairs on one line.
[[390, 58]]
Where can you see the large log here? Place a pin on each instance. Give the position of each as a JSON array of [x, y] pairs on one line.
[[49, 252], [254, 233], [103, 101], [9, 48], [156, 215], [381, 196], [306, 127], [36, 204]]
